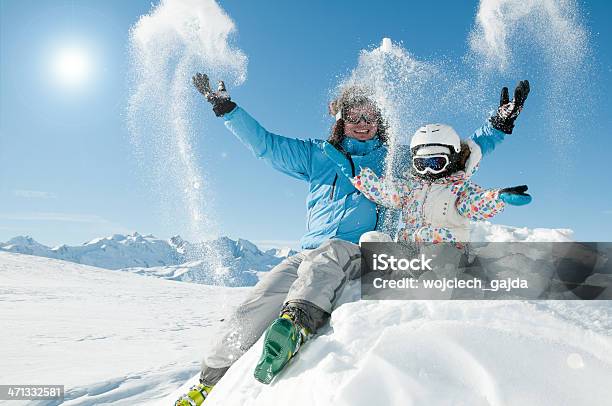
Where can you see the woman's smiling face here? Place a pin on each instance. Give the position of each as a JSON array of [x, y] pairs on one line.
[[361, 122]]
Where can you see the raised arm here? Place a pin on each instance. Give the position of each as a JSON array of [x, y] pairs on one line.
[[487, 138], [288, 155], [477, 203], [494, 131]]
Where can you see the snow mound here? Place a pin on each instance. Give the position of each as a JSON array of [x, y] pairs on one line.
[[442, 353], [484, 231]]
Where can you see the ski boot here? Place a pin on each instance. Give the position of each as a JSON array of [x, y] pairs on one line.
[[195, 397], [282, 341]]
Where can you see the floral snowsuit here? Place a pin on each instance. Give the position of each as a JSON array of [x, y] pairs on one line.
[[432, 211]]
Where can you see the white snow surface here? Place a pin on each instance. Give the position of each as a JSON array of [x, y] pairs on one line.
[[109, 337], [440, 353]]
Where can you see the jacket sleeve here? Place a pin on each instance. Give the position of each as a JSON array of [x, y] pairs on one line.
[[477, 203], [388, 194], [487, 138], [288, 155]]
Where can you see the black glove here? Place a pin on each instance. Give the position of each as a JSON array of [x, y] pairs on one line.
[[508, 110], [220, 100]]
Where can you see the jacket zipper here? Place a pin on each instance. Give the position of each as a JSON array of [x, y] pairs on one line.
[[377, 217], [353, 171], [333, 188], [427, 193], [352, 164]]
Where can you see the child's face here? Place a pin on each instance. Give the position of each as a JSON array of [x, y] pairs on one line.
[[361, 122]]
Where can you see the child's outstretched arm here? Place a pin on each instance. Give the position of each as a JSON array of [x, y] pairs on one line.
[[384, 193], [376, 189], [477, 203]]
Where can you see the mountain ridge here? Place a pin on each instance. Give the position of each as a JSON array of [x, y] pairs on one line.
[[238, 263]]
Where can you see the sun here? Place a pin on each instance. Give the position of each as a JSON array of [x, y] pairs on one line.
[[72, 66]]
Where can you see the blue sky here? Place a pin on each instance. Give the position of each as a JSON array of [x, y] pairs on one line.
[[68, 172]]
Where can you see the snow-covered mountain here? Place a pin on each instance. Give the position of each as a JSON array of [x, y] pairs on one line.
[[240, 262], [114, 252], [175, 259], [26, 245]]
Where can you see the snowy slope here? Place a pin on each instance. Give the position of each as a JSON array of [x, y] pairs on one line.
[[110, 337], [441, 353], [118, 338], [168, 259]]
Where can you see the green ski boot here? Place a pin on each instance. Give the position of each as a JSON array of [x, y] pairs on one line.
[[195, 397], [282, 341]]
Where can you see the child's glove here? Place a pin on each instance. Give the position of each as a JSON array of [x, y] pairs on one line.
[[508, 110], [345, 163], [515, 196], [220, 100]]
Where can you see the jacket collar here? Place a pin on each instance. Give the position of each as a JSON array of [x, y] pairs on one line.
[[360, 148]]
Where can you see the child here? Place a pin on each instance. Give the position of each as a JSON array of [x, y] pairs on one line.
[[437, 198]]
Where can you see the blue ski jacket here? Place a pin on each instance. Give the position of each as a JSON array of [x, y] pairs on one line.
[[335, 209]]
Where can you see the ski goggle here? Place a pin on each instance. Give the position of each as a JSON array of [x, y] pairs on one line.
[[432, 163], [354, 115]]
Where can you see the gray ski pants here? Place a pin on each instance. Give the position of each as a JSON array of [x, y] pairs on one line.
[[312, 280]]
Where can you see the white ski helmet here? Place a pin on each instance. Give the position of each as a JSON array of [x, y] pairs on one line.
[[431, 136]]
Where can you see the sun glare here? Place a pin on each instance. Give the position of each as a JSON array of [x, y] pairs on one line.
[[72, 66]]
